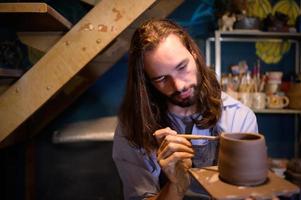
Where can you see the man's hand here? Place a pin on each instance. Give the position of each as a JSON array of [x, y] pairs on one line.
[[174, 156]]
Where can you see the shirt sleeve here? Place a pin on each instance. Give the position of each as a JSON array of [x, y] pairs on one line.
[[138, 171]]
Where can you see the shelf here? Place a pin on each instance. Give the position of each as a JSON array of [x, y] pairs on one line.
[[32, 17], [259, 34], [248, 36], [10, 73], [277, 111], [96, 130]]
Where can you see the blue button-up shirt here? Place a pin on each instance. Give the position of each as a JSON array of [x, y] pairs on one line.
[[140, 172]]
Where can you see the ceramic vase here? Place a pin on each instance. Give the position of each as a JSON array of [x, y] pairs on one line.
[[243, 159]]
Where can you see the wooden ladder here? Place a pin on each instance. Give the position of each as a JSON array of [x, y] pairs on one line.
[[73, 60]]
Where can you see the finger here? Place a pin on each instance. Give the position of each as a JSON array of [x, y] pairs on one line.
[[161, 133], [172, 148], [178, 139], [174, 158], [173, 139]]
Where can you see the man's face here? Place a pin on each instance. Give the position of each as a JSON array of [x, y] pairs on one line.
[[172, 70]]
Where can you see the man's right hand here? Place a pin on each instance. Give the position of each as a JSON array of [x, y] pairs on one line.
[[174, 156]]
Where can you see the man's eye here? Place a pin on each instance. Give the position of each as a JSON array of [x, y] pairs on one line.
[[182, 68], [160, 79]]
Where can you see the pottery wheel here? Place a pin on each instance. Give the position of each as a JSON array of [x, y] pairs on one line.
[[274, 186]]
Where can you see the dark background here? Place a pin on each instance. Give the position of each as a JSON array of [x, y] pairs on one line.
[[86, 170]]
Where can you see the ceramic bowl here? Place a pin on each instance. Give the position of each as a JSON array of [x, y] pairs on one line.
[[247, 23]]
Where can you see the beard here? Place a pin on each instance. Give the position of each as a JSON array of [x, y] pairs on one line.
[[175, 99]]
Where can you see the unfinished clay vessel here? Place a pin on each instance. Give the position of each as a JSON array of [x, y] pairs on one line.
[[243, 159]]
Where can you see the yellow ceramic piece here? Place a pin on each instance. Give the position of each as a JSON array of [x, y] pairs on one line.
[[288, 7], [259, 8]]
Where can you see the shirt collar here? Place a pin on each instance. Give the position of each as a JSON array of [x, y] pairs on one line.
[[228, 100]]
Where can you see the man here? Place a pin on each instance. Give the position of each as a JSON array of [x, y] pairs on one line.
[[170, 91]]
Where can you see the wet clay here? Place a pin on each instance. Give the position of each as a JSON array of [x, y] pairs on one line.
[[243, 159]]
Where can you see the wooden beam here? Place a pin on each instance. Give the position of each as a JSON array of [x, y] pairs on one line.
[[66, 58], [32, 17], [41, 41], [91, 2]]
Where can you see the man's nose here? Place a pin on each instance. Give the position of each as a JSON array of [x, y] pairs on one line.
[[178, 84]]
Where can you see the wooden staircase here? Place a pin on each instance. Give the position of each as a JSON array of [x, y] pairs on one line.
[[73, 60]]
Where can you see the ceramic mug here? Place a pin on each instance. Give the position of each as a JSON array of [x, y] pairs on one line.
[[243, 159], [277, 101], [259, 100], [271, 88], [245, 98], [274, 77]]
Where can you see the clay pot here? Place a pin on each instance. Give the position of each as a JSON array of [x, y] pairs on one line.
[[294, 95], [243, 159]]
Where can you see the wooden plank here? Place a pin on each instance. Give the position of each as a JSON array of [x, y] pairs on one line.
[[66, 58], [41, 41], [23, 8], [88, 75], [10, 73], [32, 17], [91, 2]]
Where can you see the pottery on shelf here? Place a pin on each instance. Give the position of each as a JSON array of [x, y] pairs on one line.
[[243, 159], [294, 95], [247, 23]]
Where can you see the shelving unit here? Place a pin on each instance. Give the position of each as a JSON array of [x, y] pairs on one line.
[[248, 36], [254, 36]]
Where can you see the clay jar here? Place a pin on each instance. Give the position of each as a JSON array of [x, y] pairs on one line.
[[243, 159]]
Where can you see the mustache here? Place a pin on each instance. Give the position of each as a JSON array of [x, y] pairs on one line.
[[176, 93]]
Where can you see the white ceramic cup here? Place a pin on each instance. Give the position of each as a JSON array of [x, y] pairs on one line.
[[277, 101], [272, 88], [259, 100], [245, 98]]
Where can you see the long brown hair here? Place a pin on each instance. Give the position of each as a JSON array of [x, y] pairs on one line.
[[144, 109]]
